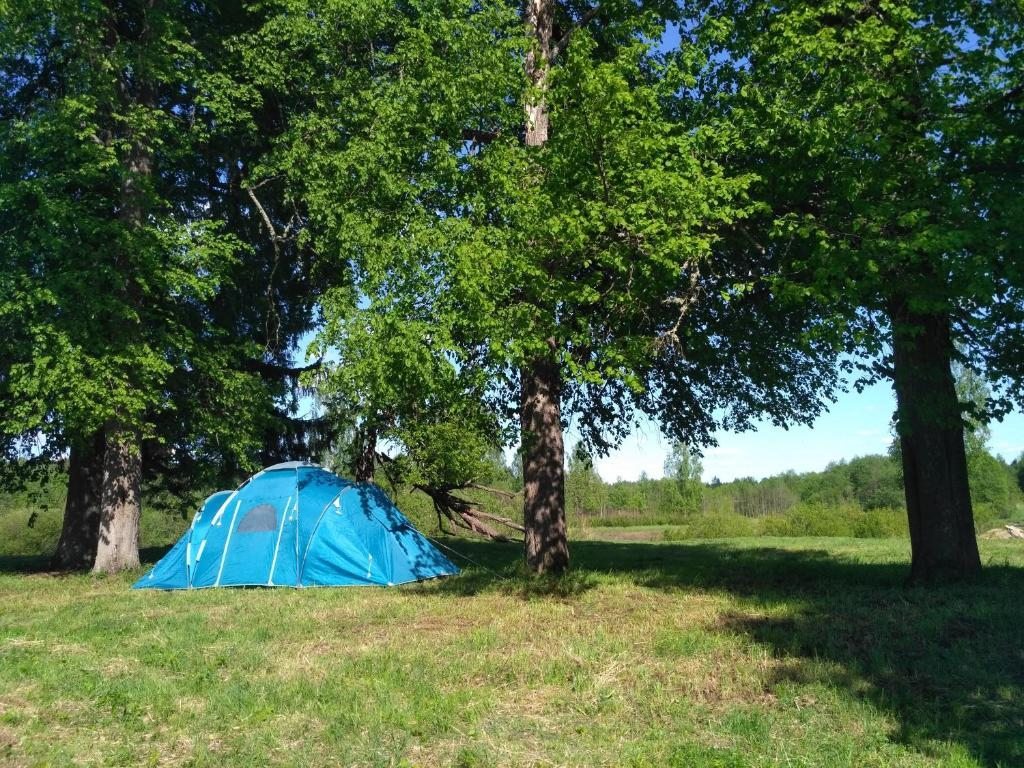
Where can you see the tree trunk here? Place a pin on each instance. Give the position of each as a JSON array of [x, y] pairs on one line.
[[539, 17], [121, 504], [121, 498], [547, 547], [366, 461], [930, 426], [76, 549]]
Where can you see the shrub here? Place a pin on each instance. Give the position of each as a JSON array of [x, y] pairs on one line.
[[987, 516], [716, 526], [29, 531], [813, 520], [884, 523]]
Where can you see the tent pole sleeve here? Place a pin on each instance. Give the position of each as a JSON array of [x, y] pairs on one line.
[[190, 567], [277, 545], [227, 544]]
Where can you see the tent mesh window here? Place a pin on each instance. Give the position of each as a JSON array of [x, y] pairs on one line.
[[262, 517]]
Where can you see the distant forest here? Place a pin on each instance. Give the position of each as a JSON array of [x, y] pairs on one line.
[[862, 497], [866, 482]]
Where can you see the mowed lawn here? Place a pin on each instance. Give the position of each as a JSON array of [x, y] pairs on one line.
[[778, 652]]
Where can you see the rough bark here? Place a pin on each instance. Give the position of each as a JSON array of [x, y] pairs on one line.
[[931, 432], [121, 501], [547, 549], [539, 17], [76, 549], [121, 498]]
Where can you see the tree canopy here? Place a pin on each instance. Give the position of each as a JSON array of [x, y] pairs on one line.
[[131, 255], [471, 262], [886, 139]]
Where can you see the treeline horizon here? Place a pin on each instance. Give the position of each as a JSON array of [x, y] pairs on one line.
[[862, 496], [867, 482]]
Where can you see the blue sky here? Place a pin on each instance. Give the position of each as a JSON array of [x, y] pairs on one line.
[[856, 425]]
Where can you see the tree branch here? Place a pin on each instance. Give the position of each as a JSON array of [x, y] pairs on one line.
[[670, 338], [559, 47], [495, 491], [273, 370], [478, 136], [464, 514]]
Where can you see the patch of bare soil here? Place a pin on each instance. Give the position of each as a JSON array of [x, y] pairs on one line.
[[1005, 532], [613, 534]]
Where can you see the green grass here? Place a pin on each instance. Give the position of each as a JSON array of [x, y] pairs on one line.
[[755, 652]]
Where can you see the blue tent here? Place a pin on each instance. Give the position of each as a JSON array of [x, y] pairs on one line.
[[298, 525]]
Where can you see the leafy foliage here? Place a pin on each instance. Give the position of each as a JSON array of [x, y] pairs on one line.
[[154, 321], [886, 140], [461, 254]]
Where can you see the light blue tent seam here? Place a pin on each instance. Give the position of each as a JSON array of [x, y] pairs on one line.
[[227, 543], [298, 530], [191, 529], [189, 564]]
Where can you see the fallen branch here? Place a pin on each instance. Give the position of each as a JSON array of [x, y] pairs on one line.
[[464, 514], [495, 491]]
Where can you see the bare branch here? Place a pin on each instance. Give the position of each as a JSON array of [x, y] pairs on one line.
[[279, 371], [684, 303], [263, 214], [560, 46], [275, 241], [465, 514], [746, 233], [495, 491], [478, 136]]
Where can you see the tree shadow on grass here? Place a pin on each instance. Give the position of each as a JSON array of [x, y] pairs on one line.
[[24, 565], [27, 565], [947, 662]]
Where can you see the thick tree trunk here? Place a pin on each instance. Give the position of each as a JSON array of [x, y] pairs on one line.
[[547, 548], [76, 549], [121, 498], [930, 427], [121, 504]]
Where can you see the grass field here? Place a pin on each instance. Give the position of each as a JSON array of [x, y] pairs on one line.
[[784, 652]]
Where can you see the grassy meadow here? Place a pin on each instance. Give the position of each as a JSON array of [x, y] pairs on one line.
[[727, 653]]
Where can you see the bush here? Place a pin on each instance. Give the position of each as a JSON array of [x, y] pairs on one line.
[[813, 520], [28, 531], [885, 523], [988, 516], [714, 526]]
